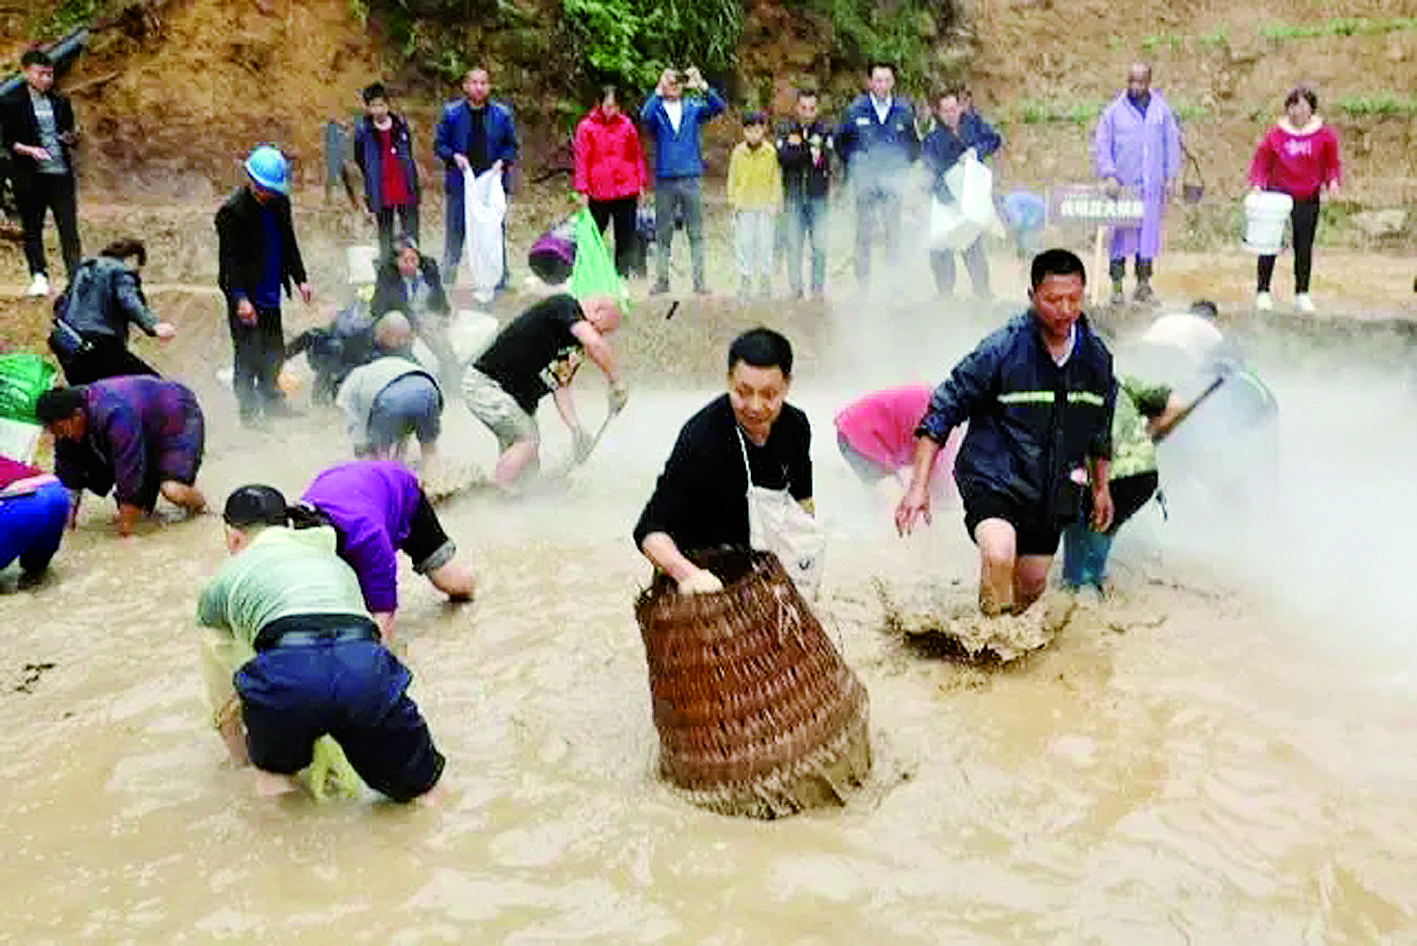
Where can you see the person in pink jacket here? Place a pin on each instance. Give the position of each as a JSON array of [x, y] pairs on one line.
[[876, 436], [610, 172], [1298, 157]]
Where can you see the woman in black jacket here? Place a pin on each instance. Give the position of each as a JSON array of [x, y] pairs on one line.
[[91, 318], [409, 283]]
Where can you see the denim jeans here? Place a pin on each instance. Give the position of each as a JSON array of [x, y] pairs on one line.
[[807, 219]]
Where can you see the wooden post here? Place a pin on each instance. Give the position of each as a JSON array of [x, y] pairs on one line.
[[1099, 267]]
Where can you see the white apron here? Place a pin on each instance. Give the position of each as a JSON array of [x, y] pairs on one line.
[[777, 523]]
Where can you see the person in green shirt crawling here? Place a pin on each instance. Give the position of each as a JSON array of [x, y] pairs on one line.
[[1144, 414], [319, 667]]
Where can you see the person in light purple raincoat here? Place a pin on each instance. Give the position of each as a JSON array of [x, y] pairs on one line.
[[1138, 144]]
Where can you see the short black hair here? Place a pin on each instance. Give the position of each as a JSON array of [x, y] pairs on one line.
[[375, 90], [754, 118], [880, 64], [609, 91], [126, 248], [36, 57], [1205, 308], [58, 404], [762, 348], [806, 93], [1302, 92], [1056, 262], [255, 505]]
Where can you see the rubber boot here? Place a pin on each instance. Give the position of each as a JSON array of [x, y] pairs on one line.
[[1117, 269], [1143, 291]]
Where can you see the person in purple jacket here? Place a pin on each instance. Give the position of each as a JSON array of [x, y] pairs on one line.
[[138, 435], [1138, 144], [378, 508]]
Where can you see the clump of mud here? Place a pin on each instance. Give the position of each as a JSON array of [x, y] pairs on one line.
[[941, 626]]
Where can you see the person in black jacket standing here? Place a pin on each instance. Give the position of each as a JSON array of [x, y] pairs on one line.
[[257, 258], [383, 149], [38, 126], [878, 143], [1038, 395], [804, 149]]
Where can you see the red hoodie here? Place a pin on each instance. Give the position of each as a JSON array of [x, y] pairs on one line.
[[609, 162], [1296, 161]]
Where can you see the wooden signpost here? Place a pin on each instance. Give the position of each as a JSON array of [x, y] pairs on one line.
[[1091, 206]]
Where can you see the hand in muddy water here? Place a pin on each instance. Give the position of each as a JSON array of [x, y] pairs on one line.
[[165, 331], [913, 505]]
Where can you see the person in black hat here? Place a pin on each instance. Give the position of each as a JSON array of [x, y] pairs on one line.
[[319, 668]]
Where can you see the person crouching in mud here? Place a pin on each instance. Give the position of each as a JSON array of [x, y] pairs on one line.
[[1038, 395], [319, 668], [740, 475], [138, 435]]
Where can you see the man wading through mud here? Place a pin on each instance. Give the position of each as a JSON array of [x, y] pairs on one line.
[[1038, 395]]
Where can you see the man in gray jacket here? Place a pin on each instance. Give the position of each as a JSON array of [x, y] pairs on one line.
[[91, 319], [392, 397]]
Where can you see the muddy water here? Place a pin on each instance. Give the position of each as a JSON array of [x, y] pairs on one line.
[[1203, 758]]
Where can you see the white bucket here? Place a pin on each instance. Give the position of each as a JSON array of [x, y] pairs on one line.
[[359, 262], [18, 439], [1265, 215]]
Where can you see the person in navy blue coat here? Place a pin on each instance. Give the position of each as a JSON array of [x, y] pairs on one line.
[[383, 149], [958, 132], [878, 143], [474, 133]]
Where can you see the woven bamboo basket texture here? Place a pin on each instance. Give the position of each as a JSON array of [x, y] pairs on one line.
[[757, 713]]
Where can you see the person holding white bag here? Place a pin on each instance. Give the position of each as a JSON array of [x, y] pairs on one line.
[[740, 476], [959, 135]]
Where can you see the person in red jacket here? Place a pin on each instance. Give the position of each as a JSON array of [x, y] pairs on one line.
[[1298, 157], [610, 171]]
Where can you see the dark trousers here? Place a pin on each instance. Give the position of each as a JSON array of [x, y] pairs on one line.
[[673, 195], [259, 351], [1305, 220], [942, 263], [621, 210], [106, 358], [873, 203], [408, 227], [38, 195]]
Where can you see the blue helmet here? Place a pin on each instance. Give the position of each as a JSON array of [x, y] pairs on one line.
[[267, 167]]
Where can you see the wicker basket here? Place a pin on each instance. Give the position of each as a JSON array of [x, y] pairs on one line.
[[757, 713]]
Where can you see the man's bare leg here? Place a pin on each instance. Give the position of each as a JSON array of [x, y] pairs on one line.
[[997, 541], [180, 494], [1030, 580], [512, 463]]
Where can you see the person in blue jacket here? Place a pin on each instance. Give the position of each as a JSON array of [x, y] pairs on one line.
[[1038, 395], [474, 133], [960, 134], [673, 121], [877, 143]]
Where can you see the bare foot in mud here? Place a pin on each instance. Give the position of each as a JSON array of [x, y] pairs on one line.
[[272, 785]]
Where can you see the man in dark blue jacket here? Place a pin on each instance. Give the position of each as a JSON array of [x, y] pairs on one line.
[[960, 134], [878, 143], [673, 121], [383, 149], [1038, 396], [474, 133]]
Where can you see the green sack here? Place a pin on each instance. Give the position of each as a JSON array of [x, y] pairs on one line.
[[23, 378], [594, 271]]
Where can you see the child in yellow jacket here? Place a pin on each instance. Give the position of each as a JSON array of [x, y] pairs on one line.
[[755, 194]]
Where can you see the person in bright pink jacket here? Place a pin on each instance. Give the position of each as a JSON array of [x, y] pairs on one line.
[[876, 436], [610, 171], [1298, 157]]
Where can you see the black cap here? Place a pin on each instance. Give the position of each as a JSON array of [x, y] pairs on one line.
[[254, 505]]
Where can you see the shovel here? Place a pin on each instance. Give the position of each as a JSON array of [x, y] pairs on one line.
[[1225, 371], [575, 460]]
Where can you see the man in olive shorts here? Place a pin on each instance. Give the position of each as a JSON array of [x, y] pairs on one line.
[[537, 354]]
